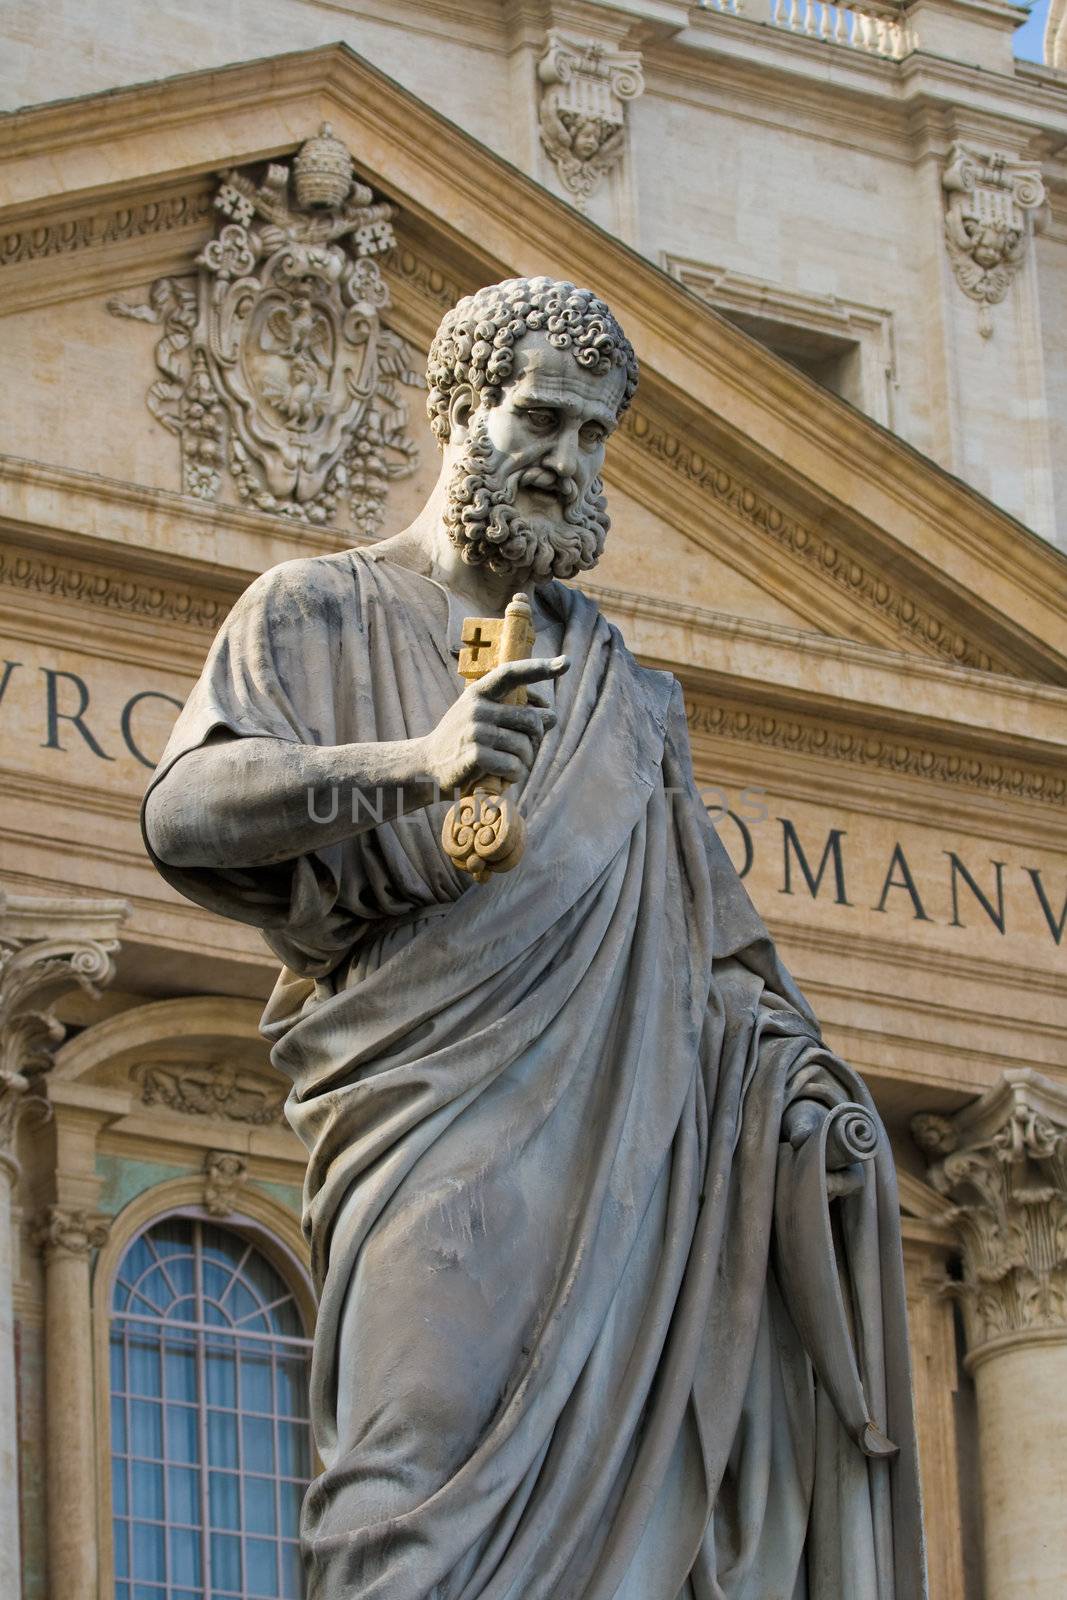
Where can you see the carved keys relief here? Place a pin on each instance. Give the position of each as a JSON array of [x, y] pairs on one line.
[[274, 362]]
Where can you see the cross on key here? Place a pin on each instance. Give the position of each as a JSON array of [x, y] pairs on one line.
[[476, 643], [487, 642]]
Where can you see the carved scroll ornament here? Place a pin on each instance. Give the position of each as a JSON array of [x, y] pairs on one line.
[[39, 963], [274, 360]]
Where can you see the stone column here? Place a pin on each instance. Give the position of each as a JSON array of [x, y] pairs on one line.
[[47, 947], [1002, 1162], [13, 1093], [67, 1238]]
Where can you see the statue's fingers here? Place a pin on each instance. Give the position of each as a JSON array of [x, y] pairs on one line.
[[514, 674], [499, 764], [515, 744], [531, 720]]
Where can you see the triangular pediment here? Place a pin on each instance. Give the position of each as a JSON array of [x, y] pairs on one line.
[[741, 489]]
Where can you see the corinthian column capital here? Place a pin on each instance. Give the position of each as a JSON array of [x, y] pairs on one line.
[[63, 1231], [47, 947], [1002, 1164]]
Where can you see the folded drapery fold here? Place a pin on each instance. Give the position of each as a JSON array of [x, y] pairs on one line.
[[558, 1357]]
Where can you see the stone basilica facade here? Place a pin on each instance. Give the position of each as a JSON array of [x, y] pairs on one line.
[[837, 235]]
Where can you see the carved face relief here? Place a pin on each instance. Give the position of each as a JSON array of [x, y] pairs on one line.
[[587, 137], [991, 242], [275, 360], [525, 494]]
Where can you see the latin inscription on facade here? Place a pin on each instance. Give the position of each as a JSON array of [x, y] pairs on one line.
[[68, 722]]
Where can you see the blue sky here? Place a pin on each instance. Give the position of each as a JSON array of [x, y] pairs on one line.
[[1029, 38]]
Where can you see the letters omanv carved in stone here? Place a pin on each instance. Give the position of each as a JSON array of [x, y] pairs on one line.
[[274, 360]]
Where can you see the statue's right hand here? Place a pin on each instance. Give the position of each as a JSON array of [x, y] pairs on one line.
[[479, 736]]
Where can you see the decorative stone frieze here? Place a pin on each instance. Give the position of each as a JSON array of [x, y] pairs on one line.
[[906, 611], [90, 230], [224, 1175], [62, 1231], [993, 202], [427, 278], [1002, 1162], [274, 362], [216, 1090], [585, 89], [84, 584], [855, 746], [47, 947]]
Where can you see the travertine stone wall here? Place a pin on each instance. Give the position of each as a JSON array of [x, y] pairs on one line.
[[793, 160], [1051, 263]]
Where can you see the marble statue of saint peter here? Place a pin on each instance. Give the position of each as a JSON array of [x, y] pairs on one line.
[[606, 1239]]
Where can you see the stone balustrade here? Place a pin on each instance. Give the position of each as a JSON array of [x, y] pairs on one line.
[[877, 30]]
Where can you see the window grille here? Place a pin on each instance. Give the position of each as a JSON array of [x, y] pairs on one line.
[[210, 1436]]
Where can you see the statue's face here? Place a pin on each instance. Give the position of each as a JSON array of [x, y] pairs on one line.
[[524, 489], [552, 425]]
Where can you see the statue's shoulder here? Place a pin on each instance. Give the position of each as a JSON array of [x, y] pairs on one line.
[[581, 610], [304, 588]]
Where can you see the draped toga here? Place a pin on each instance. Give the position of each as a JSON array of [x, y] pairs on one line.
[[555, 1357]]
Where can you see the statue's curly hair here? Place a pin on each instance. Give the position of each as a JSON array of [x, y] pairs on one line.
[[475, 342]]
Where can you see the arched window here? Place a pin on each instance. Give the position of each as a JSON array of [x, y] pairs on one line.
[[210, 1435]]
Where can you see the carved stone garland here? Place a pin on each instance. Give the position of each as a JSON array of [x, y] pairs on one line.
[[1003, 1164], [585, 88], [218, 1089], [274, 360], [991, 199]]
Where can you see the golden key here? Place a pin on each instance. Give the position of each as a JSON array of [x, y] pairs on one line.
[[484, 832]]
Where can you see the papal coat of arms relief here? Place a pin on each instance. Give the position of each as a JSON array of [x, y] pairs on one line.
[[274, 362]]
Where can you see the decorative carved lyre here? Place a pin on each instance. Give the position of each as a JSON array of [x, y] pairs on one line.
[[484, 832]]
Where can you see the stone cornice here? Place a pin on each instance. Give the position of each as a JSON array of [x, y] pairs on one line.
[[87, 583], [792, 670], [894, 959], [790, 68], [78, 516], [793, 557], [702, 645], [891, 753], [92, 227]]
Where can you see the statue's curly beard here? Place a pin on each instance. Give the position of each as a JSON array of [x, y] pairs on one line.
[[486, 529]]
